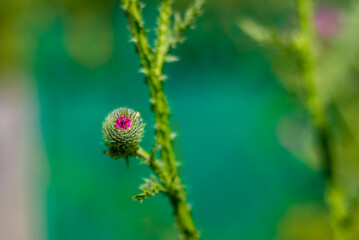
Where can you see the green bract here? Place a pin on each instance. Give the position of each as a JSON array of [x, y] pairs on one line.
[[123, 129]]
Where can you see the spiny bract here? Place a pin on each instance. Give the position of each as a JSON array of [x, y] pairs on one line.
[[123, 129]]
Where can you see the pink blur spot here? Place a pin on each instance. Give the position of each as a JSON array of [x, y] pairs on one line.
[[327, 21]]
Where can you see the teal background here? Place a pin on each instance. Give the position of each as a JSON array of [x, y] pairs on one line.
[[226, 104]]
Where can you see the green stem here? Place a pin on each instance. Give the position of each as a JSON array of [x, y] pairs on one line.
[[319, 116], [177, 196], [155, 166], [316, 109], [183, 216], [173, 185], [152, 62]]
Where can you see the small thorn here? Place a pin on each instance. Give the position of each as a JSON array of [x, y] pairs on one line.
[[133, 40], [162, 77], [173, 135]]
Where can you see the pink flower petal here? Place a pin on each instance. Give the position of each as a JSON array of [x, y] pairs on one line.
[[123, 122]]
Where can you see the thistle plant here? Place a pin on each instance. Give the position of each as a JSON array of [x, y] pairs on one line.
[[123, 128], [300, 48]]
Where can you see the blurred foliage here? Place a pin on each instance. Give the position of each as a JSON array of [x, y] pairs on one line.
[[86, 27], [335, 80], [307, 221]]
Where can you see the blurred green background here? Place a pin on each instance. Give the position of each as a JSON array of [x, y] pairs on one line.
[[246, 147]]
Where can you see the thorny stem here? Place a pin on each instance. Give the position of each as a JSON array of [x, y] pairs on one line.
[[317, 111], [177, 197], [152, 61], [315, 107]]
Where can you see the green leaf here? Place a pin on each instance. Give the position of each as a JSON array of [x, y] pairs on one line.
[[259, 33], [150, 188]]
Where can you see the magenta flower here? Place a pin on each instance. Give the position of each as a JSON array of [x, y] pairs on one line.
[[123, 122]]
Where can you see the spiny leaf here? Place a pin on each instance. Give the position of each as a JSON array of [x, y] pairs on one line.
[[261, 34], [150, 188], [182, 24]]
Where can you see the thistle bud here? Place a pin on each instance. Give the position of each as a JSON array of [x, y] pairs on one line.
[[122, 129]]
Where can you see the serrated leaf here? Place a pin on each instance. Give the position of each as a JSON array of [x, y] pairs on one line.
[[178, 19], [254, 30], [150, 188], [261, 34]]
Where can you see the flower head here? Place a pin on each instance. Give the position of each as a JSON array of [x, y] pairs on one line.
[[123, 130]]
